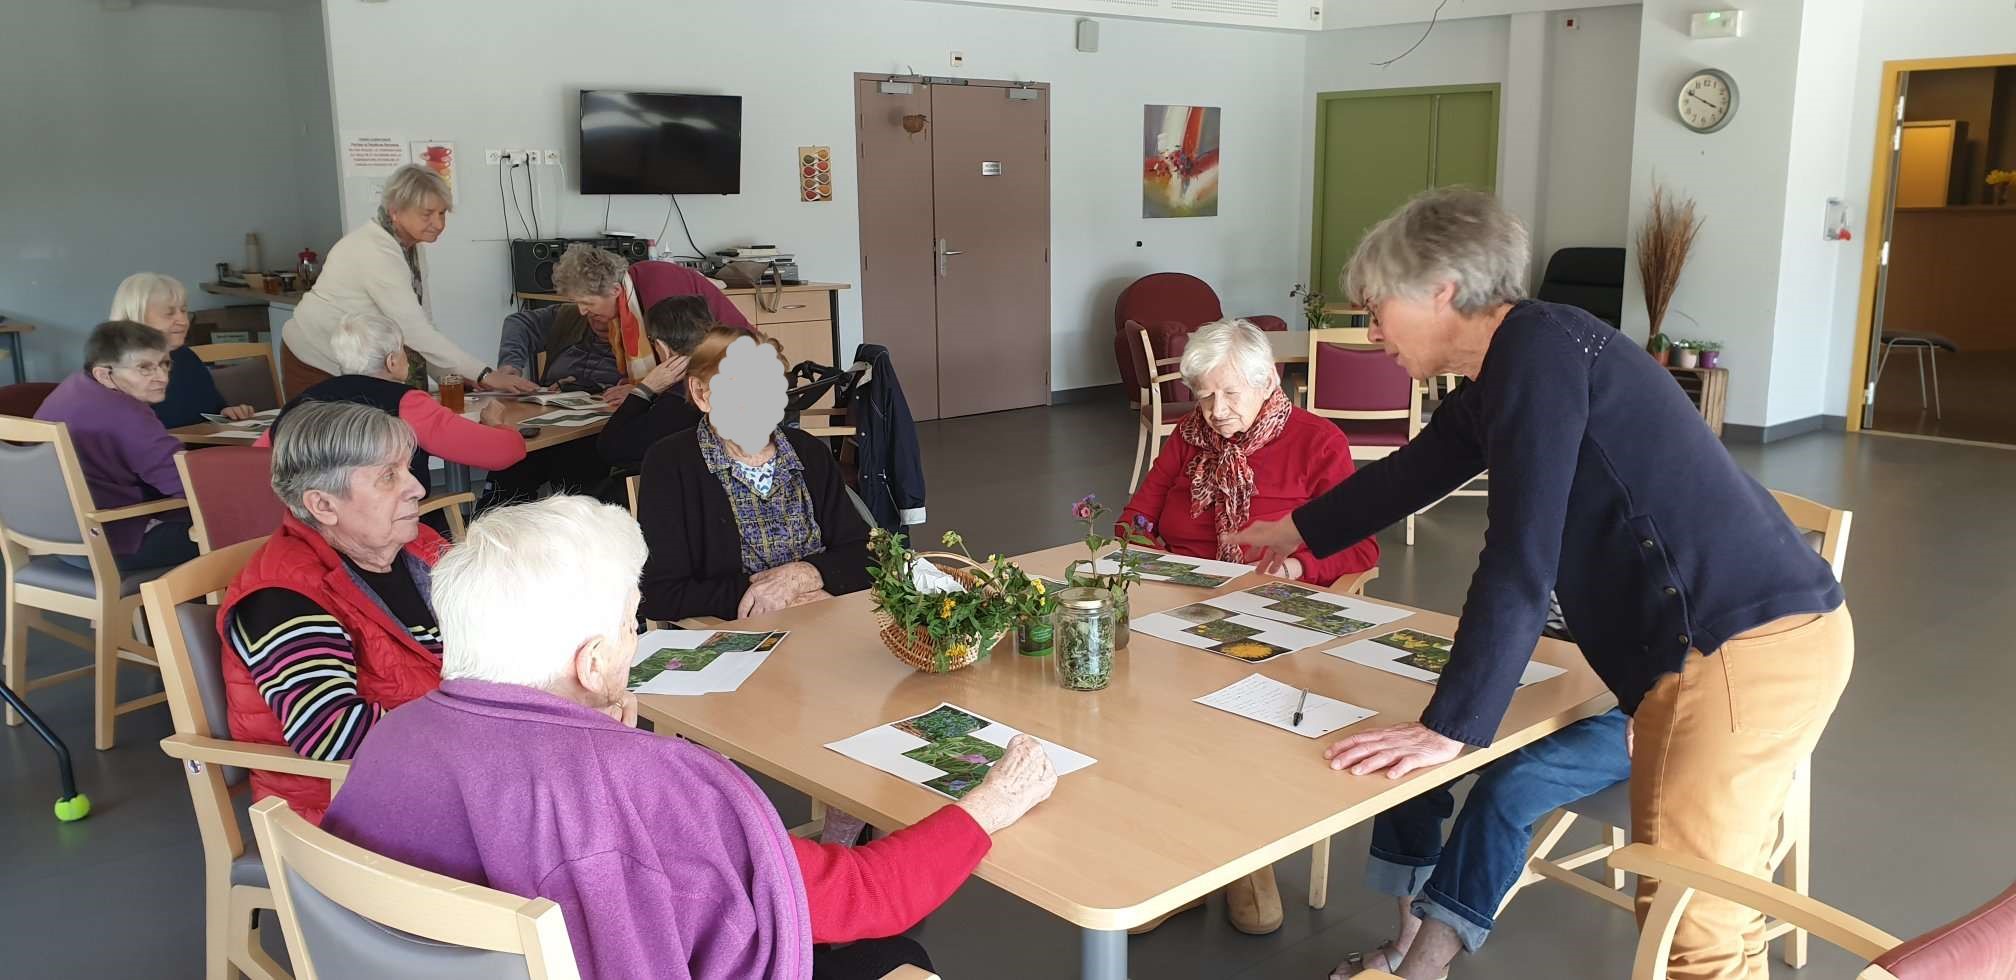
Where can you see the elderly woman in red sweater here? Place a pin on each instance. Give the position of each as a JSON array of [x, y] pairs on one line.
[[1245, 454]]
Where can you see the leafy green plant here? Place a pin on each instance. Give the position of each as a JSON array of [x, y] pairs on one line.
[[953, 621], [1312, 305], [1091, 513]]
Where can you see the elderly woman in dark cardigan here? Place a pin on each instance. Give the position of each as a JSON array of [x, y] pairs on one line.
[[1722, 634], [743, 516]]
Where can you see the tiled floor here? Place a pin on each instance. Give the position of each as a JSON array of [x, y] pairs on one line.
[[1913, 783]]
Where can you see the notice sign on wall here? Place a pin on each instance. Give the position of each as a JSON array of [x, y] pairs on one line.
[[368, 161]]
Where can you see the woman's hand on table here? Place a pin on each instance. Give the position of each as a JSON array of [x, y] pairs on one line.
[[1291, 568], [810, 597], [1269, 544], [492, 412], [1395, 750], [1022, 779], [508, 381], [767, 596], [238, 413]]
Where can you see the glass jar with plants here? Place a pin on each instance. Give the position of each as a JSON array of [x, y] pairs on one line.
[[1034, 606], [1085, 634], [1126, 562], [936, 619]]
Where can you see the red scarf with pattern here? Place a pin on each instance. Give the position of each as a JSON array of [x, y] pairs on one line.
[[1221, 479]]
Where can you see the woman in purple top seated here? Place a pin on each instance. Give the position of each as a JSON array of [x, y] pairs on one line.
[[126, 454]]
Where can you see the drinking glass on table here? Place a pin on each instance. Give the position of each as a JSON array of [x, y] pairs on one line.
[[451, 393]]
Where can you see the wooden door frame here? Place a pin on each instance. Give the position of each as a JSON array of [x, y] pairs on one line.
[[1323, 99], [1877, 208]]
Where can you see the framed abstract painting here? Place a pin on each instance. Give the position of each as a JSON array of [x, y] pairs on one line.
[[1179, 167]]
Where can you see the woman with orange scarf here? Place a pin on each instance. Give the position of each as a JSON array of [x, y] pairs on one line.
[[1244, 454]]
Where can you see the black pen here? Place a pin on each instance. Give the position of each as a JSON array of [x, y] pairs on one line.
[[1299, 705]]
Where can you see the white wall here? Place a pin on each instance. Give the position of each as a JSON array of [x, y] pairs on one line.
[[1894, 30], [509, 77], [1585, 166], [141, 139]]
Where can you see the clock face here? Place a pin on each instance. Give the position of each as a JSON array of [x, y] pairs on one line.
[[1707, 101]]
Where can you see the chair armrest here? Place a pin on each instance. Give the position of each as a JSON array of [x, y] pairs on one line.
[[908, 972], [1857, 937], [161, 506], [251, 755], [828, 412], [1355, 584], [432, 504]]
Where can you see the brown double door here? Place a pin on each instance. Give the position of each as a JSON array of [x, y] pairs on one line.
[[955, 240]]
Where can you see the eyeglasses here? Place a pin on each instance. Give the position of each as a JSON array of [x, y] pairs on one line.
[[149, 368]]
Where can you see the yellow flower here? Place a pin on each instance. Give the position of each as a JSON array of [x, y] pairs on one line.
[[1038, 583], [945, 609]]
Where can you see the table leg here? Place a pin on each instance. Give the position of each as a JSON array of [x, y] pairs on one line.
[[14, 358], [455, 475], [1104, 954]]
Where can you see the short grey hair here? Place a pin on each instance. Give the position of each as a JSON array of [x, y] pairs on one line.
[[139, 291], [1455, 235], [318, 444], [410, 186], [529, 583], [584, 270], [362, 341], [1234, 341]]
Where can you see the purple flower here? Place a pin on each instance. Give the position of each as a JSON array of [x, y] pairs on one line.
[[1083, 509], [1142, 522]]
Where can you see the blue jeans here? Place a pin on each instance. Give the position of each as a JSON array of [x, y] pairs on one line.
[[1461, 883]]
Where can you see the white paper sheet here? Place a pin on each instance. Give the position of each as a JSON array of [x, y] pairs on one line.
[[1246, 626], [723, 673], [1382, 653], [1271, 702], [1225, 570], [567, 418], [949, 726], [565, 399], [248, 435]]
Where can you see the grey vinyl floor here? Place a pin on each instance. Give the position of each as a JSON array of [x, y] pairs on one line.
[[1913, 783]]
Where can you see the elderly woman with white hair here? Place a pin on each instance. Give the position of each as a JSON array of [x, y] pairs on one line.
[[525, 772], [1245, 454], [1686, 587], [372, 366], [160, 302], [376, 269], [331, 622]]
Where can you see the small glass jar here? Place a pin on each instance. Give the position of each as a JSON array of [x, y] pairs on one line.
[[1121, 627], [1034, 636], [1082, 635]]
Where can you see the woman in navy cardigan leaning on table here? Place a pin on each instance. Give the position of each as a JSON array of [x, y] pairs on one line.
[[1723, 634]]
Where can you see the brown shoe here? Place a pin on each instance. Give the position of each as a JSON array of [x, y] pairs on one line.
[[1156, 923], [1253, 903]]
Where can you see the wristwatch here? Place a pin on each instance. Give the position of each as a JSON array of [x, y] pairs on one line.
[[480, 375]]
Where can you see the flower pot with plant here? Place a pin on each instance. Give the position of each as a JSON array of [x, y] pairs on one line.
[[1091, 513], [1312, 305], [1711, 354], [1686, 355], [938, 629], [1661, 348], [1034, 605], [1663, 243]]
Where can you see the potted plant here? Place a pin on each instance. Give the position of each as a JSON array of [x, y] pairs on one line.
[[1312, 305], [940, 631], [1663, 243], [1686, 354], [1034, 605], [1090, 512], [1711, 353], [1661, 348]]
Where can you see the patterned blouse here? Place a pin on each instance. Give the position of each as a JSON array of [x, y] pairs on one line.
[[771, 503]]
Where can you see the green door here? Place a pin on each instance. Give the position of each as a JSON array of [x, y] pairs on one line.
[[1374, 150]]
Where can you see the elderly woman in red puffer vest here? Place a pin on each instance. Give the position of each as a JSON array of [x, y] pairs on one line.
[[331, 624]]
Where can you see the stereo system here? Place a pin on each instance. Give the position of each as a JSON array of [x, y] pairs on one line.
[[533, 259]]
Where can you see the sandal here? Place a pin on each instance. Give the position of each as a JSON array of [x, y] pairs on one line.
[[1389, 962]]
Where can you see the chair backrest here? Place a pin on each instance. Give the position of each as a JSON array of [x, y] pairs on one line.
[[1156, 350], [230, 493], [350, 913], [1591, 278], [1979, 944], [1352, 382], [244, 373], [42, 489], [21, 400], [1825, 528], [630, 487], [1167, 296]]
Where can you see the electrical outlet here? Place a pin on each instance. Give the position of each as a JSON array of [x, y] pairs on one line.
[[552, 158], [958, 59], [492, 157], [507, 157], [531, 157]]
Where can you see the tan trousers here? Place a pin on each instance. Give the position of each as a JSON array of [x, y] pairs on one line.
[[1717, 745]]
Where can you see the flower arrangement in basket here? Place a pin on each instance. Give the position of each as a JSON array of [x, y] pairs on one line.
[[941, 631]]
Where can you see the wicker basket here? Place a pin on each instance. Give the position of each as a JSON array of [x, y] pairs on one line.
[[914, 646]]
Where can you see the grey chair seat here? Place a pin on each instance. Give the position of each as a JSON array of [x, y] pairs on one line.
[[248, 869], [62, 575], [1611, 806]]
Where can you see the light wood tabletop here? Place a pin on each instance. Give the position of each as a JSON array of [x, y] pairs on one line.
[[1184, 798], [1290, 346], [515, 413]]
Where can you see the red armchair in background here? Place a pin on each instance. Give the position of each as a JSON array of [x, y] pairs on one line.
[[1167, 298]]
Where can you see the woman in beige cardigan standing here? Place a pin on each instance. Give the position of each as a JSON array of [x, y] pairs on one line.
[[375, 269]]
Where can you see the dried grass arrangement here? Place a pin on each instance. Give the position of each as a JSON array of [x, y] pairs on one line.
[[1663, 243]]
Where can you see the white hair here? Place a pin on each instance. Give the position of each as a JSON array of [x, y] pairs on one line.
[[410, 186], [319, 444], [529, 583], [584, 270], [1235, 341], [362, 341], [1455, 235], [140, 290]]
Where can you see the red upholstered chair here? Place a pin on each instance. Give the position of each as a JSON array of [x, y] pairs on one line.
[[1366, 393], [23, 399], [1167, 297], [230, 491], [1981, 944]]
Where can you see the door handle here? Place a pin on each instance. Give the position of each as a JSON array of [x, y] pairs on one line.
[[943, 254]]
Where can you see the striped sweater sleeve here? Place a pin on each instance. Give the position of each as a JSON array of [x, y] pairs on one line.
[[304, 666]]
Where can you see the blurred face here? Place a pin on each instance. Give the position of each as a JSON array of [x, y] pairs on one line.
[[600, 311], [1228, 400], [424, 223], [142, 374], [1418, 333], [169, 317], [745, 401], [379, 515]]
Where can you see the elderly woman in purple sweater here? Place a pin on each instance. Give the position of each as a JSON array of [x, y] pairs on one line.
[[126, 454]]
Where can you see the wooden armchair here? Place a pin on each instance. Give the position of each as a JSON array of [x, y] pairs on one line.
[[53, 539], [257, 385], [1158, 415]]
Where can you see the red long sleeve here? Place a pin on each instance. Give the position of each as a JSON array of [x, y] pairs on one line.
[[890, 884], [456, 439]]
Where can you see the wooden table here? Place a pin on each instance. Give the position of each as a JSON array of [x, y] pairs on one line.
[[292, 298], [12, 330], [1290, 346], [1184, 799]]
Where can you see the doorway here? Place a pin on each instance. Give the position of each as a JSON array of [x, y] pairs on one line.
[[1936, 350], [955, 238], [1375, 149]]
